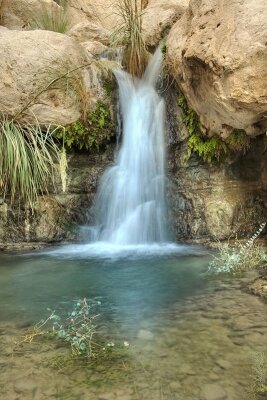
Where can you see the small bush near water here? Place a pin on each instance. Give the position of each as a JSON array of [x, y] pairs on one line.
[[238, 258], [28, 162], [77, 329]]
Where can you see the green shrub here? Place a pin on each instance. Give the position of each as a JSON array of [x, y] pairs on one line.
[[91, 135], [210, 149], [239, 258], [77, 329], [28, 161]]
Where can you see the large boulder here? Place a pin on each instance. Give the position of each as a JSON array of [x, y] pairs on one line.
[[29, 61], [158, 18], [217, 53], [19, 14]]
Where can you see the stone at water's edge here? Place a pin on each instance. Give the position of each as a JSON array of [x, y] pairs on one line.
[[57, 214], [218, 201], [259, 286]]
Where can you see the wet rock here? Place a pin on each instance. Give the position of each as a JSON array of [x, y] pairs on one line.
[[25, 385], [145, 335], [224, 364], [259, 287], [214, 377], [175, 386], [187, 370], [212, 391]]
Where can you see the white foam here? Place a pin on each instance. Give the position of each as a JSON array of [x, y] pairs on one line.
[[106, 250]]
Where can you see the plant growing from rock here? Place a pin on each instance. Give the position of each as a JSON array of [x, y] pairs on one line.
[[210, 149], [54, 19], [239, 258], [89, 135], [28, 162], [129, 35]]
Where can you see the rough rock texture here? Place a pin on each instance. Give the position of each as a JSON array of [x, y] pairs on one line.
[[158, 18], [19, 14], [56, 215], [100, 12], [259, 286], [214, 202], [84, 31], [28, 62], [217, 53]]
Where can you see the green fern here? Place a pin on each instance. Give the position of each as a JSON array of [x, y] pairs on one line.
[[210, 149], [97, 130]]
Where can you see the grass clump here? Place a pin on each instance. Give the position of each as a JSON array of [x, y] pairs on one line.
[[239, 258], [89, 135], [28, 162], [54, 19], [129, 35], [259, 376], [210, 149]]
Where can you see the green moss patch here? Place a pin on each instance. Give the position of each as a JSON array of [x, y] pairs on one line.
[[210, 149], [90, 135]]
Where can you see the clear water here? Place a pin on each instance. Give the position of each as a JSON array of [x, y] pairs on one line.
[[134, 286], [189, 335]]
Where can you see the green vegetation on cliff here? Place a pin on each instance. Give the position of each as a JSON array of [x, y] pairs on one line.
[[210, 149], [91, 134], [28, 161]]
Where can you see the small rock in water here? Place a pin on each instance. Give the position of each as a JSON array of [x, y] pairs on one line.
[[212, 391], [224, 364], [175, 386], [145, 335], [187, 370]]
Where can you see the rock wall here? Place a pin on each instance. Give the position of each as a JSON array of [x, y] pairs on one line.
[[218, 201], [57, 215]]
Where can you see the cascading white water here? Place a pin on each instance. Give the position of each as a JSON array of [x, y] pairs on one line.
[[130, 204]]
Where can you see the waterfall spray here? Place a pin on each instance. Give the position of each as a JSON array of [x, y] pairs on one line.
[[130, 203]]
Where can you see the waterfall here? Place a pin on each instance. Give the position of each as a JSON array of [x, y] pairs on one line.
[[130, 203]]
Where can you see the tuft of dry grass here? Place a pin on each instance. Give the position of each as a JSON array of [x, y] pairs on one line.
[[129, 35], [54, 19]]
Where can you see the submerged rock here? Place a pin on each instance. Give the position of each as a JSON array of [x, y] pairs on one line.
[[143, 334], [212, 391]]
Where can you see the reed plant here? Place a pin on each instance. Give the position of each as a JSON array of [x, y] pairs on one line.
[[54, 19], [29, 159], [238, 257], [129, 35]]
